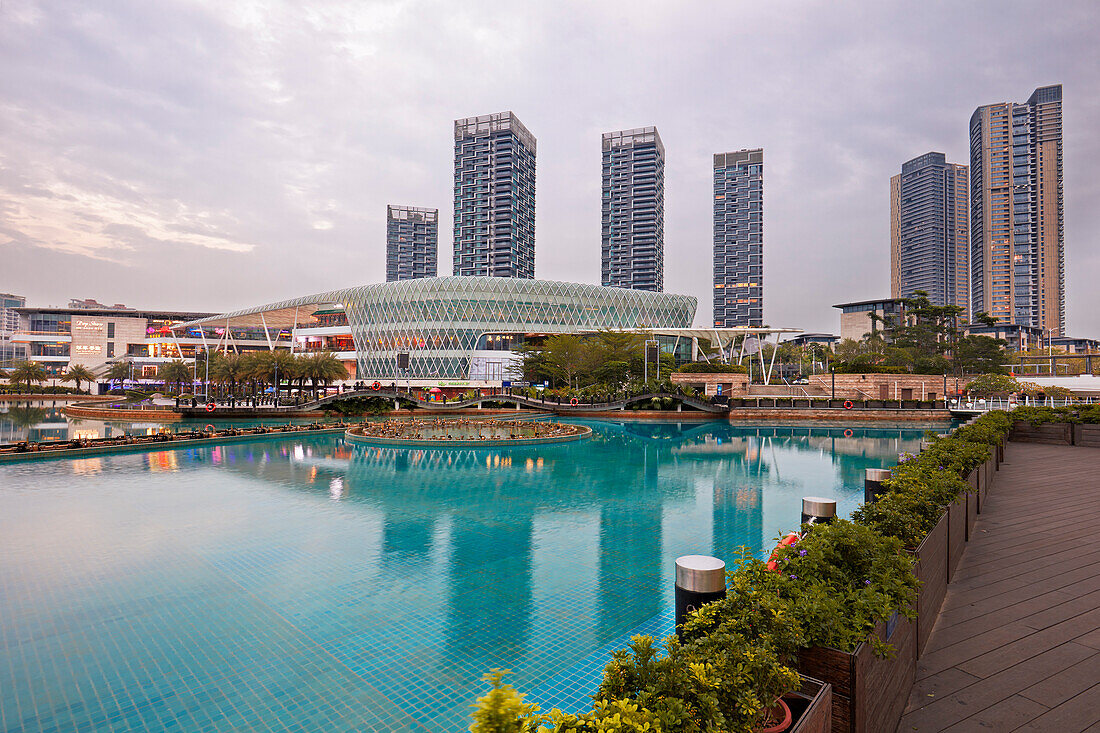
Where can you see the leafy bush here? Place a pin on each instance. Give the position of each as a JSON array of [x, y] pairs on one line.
[[1037, 416], [992, 385], [862, 368], [720, 682], [502, 709], [702, 367], [753, 608], [1089, 415], [842, 578], [919, 490]]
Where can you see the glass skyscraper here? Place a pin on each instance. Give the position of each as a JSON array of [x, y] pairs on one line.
[[633, 210], [494, 225], [739, 238], [1016, 238], [9, 324], [930, 231], [412, 242]]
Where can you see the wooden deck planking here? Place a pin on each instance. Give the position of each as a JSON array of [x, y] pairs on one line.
[[1017, 642]]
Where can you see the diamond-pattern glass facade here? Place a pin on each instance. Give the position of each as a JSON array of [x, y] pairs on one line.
[[439, 321]]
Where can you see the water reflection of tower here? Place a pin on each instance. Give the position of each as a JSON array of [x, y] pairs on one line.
[[406, 535], [738, 505], [489, 604], [630, 549]]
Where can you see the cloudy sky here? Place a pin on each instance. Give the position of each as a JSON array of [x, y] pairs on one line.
[[214, 155]]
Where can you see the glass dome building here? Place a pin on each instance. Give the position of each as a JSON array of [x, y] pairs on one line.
[[463, 328]]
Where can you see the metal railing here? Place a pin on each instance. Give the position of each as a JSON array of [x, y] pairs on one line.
[[1008, 403]]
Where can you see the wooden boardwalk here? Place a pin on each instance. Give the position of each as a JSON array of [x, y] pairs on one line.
[[1017, 643]]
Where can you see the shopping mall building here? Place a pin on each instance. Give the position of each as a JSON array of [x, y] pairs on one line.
[[455, 331]]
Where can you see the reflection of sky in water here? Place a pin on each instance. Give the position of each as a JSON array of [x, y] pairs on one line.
[[304, 580]]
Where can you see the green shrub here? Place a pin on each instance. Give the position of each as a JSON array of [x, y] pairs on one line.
[[502, 709], [992, 385], [703, 367], [859, 368], [753, 608], [723, 682], [842, 578], [1037, 416], [919, 489]]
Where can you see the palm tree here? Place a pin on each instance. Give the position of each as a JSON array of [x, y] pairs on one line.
[[78, 373], [323, 367], [26, 416], [271, 366], [28, 371], [177, 371], [228, 369], [119, 372]]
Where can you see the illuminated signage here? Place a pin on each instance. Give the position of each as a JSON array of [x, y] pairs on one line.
[[79, 325], [87, 349]]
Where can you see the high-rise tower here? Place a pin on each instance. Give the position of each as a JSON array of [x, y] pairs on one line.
[[930, 231], [412, 242], [1017, 259], [633, 216], [739, 238], [494, 226]]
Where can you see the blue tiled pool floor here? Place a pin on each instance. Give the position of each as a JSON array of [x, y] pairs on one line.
[[311, 586]]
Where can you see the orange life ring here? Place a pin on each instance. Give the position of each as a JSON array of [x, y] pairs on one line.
[[848, 404], [848, 433], [211, 406], [574, 402], [376, 386], [208, 428], [787, 541]]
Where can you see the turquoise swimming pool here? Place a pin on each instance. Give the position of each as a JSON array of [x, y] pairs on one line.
[[309, 584]]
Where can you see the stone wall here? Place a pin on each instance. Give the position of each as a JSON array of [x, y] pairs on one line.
[[885, 386], [848, 386], [733, 385]]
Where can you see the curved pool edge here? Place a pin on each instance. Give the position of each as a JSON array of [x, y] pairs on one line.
[[351, 437]]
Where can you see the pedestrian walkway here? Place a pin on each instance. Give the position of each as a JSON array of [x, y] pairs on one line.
[[1017, 642]]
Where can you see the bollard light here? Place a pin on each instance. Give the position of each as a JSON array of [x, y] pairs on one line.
[[818, 510], [872, 484], [700, 579]]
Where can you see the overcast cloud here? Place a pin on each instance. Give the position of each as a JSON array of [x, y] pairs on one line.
[[215, 155]]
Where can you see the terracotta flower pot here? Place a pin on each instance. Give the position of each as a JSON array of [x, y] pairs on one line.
[[779, 718]]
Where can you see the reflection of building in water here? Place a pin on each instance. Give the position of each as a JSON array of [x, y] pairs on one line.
[[629, 566], [738, 518], [489, 599]]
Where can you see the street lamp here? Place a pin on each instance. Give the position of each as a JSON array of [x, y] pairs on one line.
[[656, 358]]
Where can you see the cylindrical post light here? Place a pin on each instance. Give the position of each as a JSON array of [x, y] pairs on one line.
[[818, 510], [700, 579], [872, 484]]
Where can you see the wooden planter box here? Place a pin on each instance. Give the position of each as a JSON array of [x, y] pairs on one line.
[[869, 694], [971, 515], [811, 707], [956, 534], [1086, 435], [932, 571], [1055, 433], [990, 477]]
